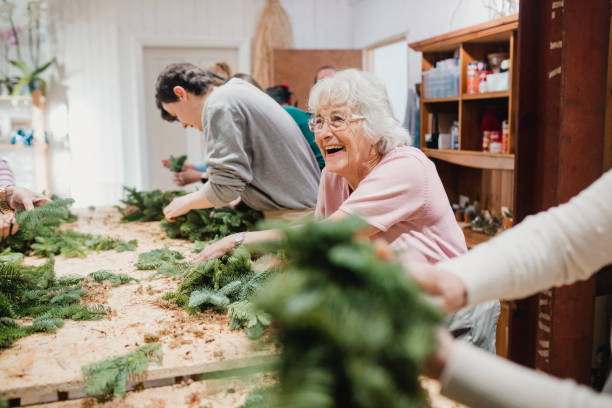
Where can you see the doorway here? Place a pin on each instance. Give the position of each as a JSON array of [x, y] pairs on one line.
[[162, 138]]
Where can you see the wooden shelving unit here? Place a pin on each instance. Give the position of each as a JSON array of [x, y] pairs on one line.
[[486, 177], [483, 176]]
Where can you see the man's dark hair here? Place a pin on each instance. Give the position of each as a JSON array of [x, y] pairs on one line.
[[188, 76], [280, 93]]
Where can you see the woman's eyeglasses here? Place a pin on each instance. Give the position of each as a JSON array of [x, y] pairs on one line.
[[335, 122]]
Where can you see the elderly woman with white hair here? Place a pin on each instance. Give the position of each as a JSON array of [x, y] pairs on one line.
[[372, 171]]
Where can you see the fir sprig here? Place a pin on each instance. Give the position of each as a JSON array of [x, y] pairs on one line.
[[176, 163], [225, 284], [143, 206], [34, 291], [38, 222], [354, 330], [108, 378], [210, 224], [114, 279]]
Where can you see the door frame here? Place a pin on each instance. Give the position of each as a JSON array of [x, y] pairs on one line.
[[137, 47]]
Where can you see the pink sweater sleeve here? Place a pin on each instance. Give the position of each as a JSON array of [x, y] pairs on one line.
[[6, 174]]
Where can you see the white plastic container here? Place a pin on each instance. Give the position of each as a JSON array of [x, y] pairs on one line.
[[498, 82], [444, 141]]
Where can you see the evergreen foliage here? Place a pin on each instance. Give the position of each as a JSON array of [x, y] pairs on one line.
[[176, 163], [208, 224], [39, 222], [108, 378], [144, 206], [35, 292], [164, 260], [38, 233], [354, 330], [114, 279], [225, 284], [73, 244]]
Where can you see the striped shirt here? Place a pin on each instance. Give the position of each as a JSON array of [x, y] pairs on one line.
[[6, 174]]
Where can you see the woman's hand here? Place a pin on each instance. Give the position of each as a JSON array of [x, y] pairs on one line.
[[179, 206], [20, 198], [8, 225], [216, 249], [447, 290], [187, 176]]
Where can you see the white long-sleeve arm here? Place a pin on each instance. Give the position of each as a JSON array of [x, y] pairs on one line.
[[482, 380], [559, 246]]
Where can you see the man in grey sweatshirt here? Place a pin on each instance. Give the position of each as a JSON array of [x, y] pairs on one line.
[[254, 149]]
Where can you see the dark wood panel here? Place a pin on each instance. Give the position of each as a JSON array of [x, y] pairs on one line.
[[559, 152], [297, 68]]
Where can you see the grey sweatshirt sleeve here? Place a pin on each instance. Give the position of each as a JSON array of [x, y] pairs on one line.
[[481, 380], [229, 165]]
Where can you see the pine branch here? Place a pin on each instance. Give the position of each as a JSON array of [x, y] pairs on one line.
[[153, 259], [176, 163], [39, 234], [34, 291], [108, 378], [354, 330], [219, 282], [114, 279], [143, 206], [212, 224]]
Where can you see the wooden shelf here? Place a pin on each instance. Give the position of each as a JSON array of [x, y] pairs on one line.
[[473, 238], [485, 95], [22, 98], [13, 146], [442, 100], [471, 158], [492, 31]]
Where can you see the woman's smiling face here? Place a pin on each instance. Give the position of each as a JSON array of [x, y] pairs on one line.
[[347, 152]]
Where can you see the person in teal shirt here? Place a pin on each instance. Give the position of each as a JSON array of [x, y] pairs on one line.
[[282, 95]]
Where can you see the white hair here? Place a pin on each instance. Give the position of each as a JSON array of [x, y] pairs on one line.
[[366, 95]]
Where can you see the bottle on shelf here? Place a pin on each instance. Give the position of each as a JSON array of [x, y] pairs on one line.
[[455, 136]]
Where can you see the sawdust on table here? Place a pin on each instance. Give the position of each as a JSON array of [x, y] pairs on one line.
[[136, 314]]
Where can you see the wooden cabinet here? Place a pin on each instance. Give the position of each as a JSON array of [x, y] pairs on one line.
[[483, 176]]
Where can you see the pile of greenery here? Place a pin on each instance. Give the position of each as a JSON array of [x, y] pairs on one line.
[[39, 222], [354, 330], [144, 206], [208, 224], [225, 284], [39, 234], [176, 163], [108, 378], [35, 292]]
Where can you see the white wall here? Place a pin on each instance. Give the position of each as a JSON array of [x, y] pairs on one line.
[[321, 24], [376, 20]]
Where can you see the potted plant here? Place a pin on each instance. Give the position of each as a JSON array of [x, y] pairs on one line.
[[30, 78], [30, 69]]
